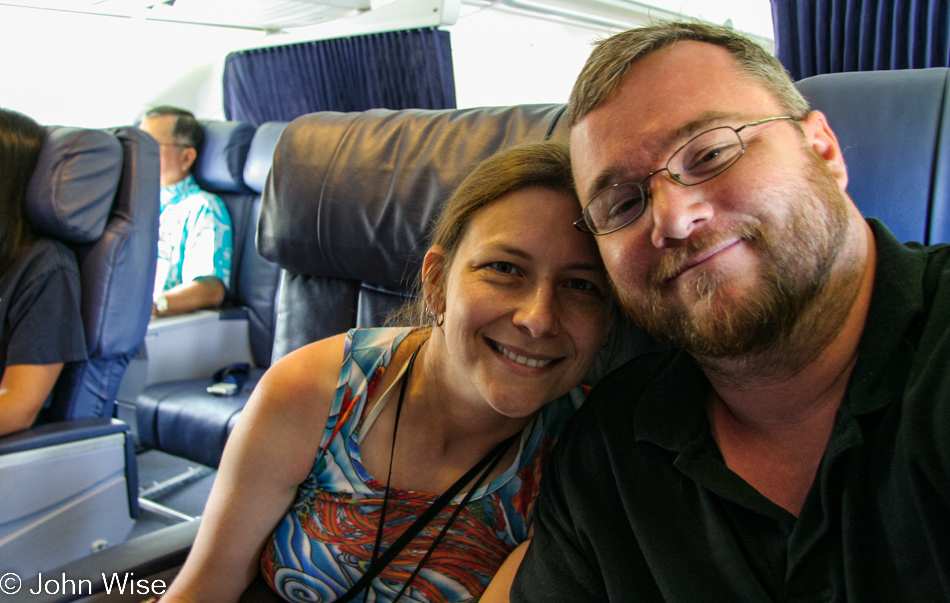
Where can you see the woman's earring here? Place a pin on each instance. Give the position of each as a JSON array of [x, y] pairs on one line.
[[436, 319]]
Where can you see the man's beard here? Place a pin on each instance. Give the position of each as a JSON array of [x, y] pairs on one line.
[[796, 260]]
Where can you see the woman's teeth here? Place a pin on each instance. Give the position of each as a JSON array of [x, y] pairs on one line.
[[531, 362]]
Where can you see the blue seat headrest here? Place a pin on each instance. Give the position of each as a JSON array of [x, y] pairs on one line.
[[261, 156], [891, 126], [74, 183], [220, 165]]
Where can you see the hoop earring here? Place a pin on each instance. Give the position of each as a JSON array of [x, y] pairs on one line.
[[436, 319]]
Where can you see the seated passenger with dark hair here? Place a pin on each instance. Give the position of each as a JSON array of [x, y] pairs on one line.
[[40, 324], [195, 239]]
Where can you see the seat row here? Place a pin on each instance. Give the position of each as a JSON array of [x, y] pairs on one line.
[[346, 212]]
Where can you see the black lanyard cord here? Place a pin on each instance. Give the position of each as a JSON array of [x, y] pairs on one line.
[[481, 469]]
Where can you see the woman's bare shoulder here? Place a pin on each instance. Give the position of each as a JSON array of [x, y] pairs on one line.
[[304, 381], [314, 368], [292, 401]]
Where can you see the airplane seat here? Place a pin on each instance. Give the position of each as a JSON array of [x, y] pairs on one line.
[[893, 128], [179, 416], [70, 482], [350, 200], [220, 170], [351, 195]]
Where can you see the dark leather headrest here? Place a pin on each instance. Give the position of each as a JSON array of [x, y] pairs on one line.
[[352, 195], [220, 165], [74, 183]]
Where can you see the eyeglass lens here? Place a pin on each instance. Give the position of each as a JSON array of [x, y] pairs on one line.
[[702, 158]]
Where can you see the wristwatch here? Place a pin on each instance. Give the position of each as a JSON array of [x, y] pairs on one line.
[[161, 304]]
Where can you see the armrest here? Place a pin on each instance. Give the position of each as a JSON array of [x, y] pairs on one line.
[[147, 557], [69, 488], [187, 346], [64, 432]]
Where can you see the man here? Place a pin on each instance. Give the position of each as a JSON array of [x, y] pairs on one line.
[[195, 239], [792, 442]]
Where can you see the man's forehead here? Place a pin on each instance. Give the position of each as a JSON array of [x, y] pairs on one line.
[[162, 124], [662, 99]]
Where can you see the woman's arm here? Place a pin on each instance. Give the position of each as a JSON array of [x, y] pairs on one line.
[[23, 390], [270, 451], [500, 585]]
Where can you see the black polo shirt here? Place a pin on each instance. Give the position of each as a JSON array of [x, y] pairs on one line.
[[638, 505]]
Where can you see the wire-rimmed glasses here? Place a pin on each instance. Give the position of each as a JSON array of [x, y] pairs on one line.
[[702, 158]]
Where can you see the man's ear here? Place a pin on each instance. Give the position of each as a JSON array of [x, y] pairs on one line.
[[188, 157], [823, 140], [432, 284]]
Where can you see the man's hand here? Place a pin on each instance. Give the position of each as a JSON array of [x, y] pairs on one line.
[[204, 292]]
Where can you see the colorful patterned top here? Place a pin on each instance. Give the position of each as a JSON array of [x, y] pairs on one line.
[[195, 237], [325, 542]]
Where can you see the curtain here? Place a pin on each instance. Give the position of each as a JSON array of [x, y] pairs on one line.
[[829, 36], [392, 70]]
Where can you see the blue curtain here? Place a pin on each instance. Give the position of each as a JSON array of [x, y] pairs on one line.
[[829, 36], [393, 70]]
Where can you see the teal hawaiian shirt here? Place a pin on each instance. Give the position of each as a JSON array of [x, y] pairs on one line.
[[195, 238]]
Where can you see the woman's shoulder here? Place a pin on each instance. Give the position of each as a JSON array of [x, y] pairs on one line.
[[48, 255], [307, 371], [306, 379], [293, 400], [46, 261]]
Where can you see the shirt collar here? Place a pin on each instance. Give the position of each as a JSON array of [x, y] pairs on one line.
[[896, 305], [173, 193], [671, 412]]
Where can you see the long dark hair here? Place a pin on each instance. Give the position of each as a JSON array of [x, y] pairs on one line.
[[20, 141]]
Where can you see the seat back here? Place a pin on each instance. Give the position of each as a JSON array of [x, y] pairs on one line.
[[97, 191], [220, 169], [348, 206], [347, 209], [893, 127], [258, 276]]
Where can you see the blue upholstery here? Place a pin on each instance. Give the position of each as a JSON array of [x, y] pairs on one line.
[[115, 241], [74, 183], [71, 482], [181, 417], [220, 170], [261, 154], [893, 127], [220, 164], [256, 277]]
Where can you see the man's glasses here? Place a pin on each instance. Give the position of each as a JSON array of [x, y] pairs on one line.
[[178, 145], [703, 158]]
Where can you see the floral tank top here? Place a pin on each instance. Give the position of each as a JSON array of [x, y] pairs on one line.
[[325, 542]]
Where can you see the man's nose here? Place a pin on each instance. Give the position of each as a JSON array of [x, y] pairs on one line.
[[677, 210], [537, 312]]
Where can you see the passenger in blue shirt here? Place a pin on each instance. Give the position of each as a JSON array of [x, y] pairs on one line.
[[195, 239]]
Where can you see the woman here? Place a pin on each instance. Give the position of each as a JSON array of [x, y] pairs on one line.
[[40, 325], [517, 306]]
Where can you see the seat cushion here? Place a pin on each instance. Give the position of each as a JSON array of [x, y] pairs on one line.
[[181, 418]]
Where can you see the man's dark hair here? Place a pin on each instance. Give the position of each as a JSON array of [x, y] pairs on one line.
[[187, 130], [611, 59]]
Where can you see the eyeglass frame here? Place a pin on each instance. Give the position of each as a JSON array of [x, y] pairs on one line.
[[581, 223], [181, 145]]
